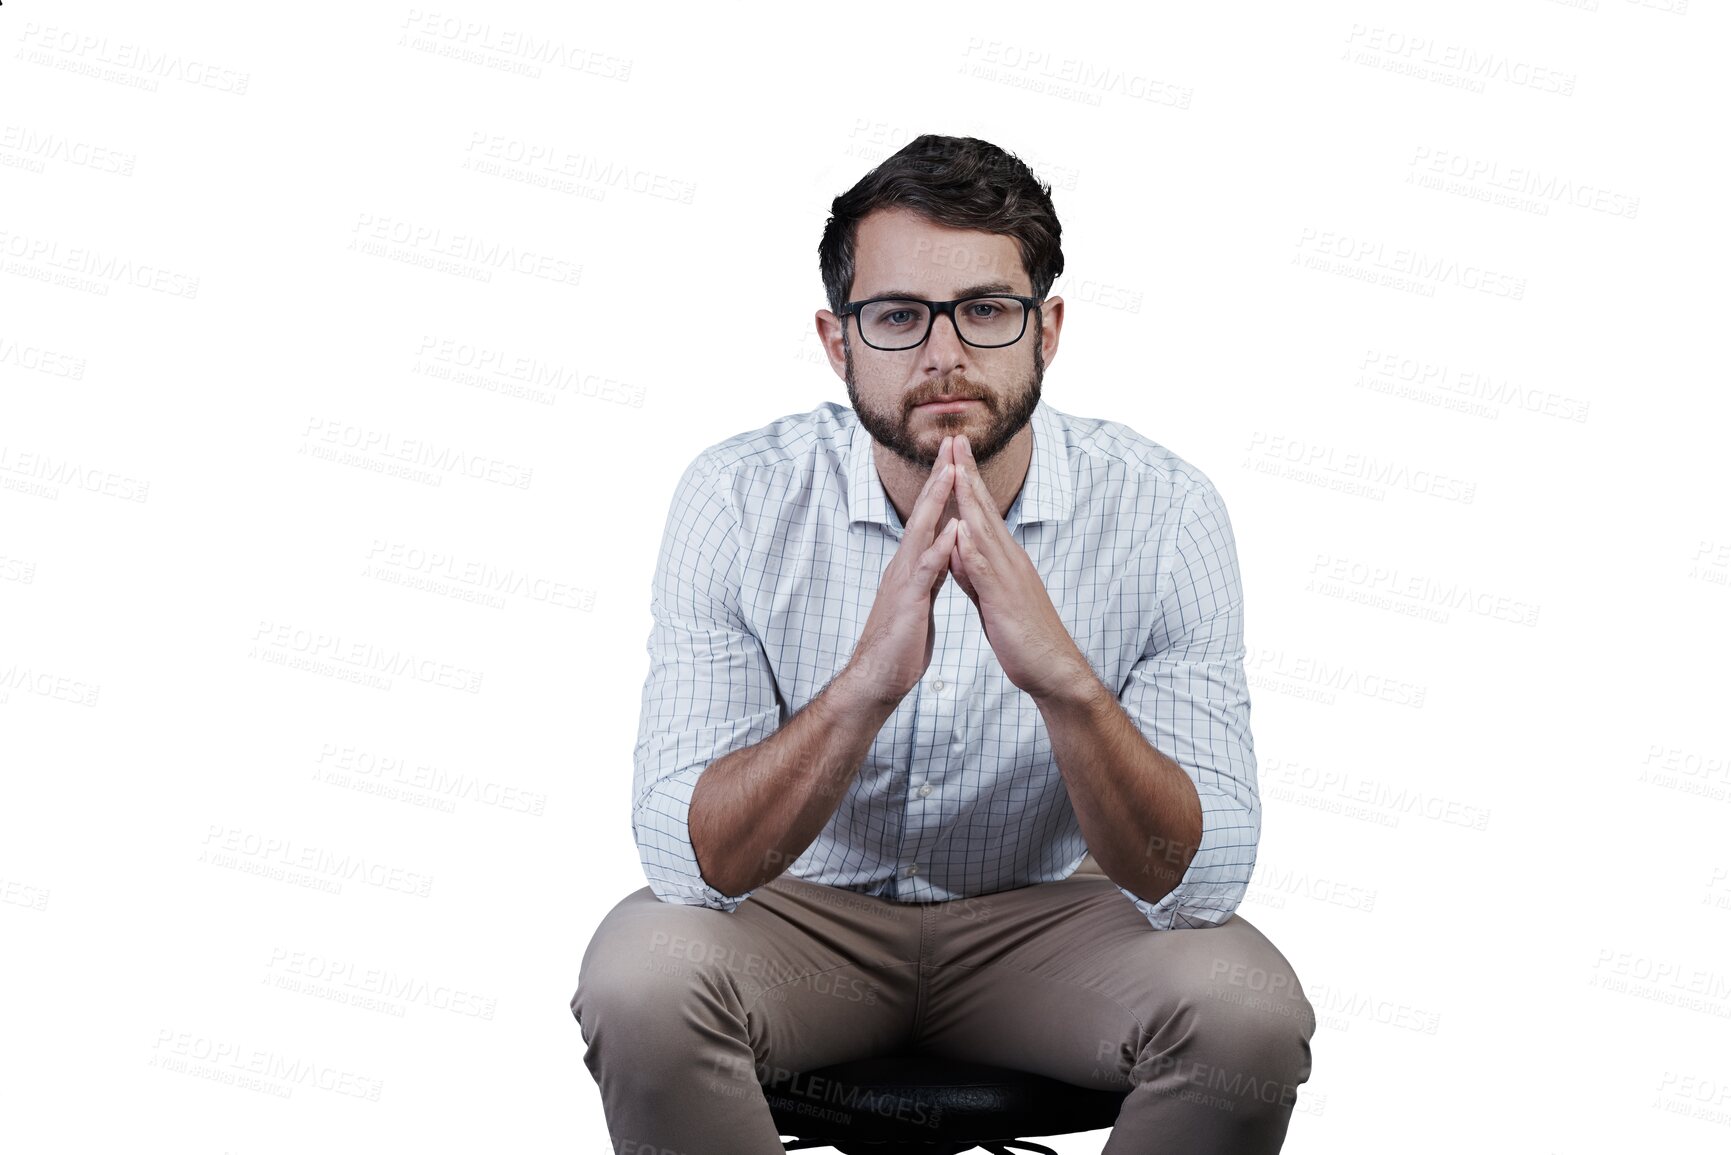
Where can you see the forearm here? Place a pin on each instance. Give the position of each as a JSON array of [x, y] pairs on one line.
[[756, 809], [1139, 811]]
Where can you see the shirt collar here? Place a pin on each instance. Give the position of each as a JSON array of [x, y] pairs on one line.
[[1048, 491]]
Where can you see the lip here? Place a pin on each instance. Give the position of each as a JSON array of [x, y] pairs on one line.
[[947, 406]]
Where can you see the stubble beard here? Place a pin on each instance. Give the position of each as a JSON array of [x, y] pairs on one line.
[[893, 431]]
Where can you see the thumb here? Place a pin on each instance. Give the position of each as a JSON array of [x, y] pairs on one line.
[[938, 584]]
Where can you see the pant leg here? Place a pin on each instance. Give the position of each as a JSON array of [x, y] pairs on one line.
[[1208, 1027], [688, 1012]]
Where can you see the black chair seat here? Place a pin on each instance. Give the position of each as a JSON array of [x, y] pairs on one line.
[[931, 1105]]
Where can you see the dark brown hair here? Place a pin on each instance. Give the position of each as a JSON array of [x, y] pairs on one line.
[[958, 181]]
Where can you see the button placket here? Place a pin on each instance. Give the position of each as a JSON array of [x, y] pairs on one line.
[[935, 715]]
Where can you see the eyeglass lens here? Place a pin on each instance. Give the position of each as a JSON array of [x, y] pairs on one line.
[[985, 321]]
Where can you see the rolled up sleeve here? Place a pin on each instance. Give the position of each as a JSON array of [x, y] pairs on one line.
[[709, 691], [1189, 697]]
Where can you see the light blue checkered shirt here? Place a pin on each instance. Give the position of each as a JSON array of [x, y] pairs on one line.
[[770, 560]]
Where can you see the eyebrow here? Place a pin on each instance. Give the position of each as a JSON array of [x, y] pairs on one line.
[[980, 290]]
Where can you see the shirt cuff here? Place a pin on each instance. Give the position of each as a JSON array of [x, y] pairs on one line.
[[661, 828], [1178, 911], [1218, 875]]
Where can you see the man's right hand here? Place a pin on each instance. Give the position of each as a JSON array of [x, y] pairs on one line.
[[895, 647]]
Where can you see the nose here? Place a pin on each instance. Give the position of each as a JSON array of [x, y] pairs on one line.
[[944, 345]]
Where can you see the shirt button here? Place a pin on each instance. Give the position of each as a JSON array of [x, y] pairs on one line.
[[925, 790], [938, 685], [913, 870]]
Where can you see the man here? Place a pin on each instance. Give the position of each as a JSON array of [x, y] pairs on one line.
[[945, 740]]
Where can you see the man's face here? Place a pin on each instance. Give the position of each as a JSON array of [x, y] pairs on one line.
[[900, 252]]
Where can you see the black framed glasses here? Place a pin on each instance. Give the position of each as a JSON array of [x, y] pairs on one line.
[[985, 322]]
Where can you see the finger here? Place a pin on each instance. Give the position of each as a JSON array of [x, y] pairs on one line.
[[968, 504], [970, 469], [985, 523], [959, 564], [923, 520], [942, 456], [945, 455], [974, 562], [932, 477], [936, 556]]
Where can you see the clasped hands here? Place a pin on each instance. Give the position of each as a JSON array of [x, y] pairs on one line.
[[1030, 640]]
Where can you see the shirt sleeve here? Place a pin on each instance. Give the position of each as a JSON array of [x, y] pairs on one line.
[[1189, 697], [709, 690]]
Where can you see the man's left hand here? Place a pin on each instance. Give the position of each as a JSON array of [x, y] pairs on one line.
[[1023, 627]]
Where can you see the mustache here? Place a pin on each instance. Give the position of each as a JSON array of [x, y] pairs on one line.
[[960, 392]]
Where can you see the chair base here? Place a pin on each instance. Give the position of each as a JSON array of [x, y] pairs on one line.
[[991, 1147], [922, 1104]]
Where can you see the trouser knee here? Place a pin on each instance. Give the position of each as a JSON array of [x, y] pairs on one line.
[[1249, 1038], [659, 969]]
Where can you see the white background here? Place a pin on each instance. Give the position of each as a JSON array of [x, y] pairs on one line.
[[1434, 294]]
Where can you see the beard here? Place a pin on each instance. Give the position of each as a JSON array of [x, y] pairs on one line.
[[1006, 412]]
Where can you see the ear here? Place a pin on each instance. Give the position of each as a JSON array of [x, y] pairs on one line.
[[830, 332], [1051, 323]]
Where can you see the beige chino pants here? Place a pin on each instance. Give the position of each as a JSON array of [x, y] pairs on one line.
[[687, 1012]]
